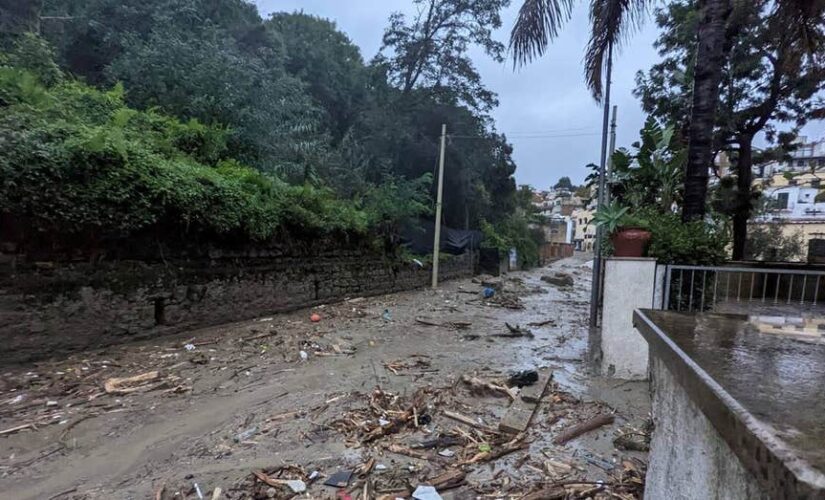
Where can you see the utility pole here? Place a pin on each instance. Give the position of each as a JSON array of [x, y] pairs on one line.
[[610, 151], [595, 287], [437, 239]]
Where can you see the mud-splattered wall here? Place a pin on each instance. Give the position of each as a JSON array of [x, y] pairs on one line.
[[47, 307]]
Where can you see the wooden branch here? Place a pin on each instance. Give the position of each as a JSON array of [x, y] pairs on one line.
[[577, 430]]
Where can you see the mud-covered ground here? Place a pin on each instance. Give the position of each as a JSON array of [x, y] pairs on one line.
[[249, 406]]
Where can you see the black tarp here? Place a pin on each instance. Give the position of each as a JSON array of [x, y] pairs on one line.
[[418, 237]]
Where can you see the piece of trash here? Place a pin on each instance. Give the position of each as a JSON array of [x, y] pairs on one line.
[[189, 347], [523, 378], [485, 447], [51, 403], [198, 491], [447, 453], [245, 435], [304, 355], [216, 495], [315, 317], [199, 358], [488, 292], [387, 315], [380, 467], [418, 263], [126, 385], [426, 493], [343, 495], [314, 475], [383, 422], [296, 485], [340, 479]]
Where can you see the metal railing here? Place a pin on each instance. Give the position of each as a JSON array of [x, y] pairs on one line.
[[741, 289]]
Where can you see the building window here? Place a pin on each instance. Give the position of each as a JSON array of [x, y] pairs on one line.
[[792, 182], [782, 200], [800, 163], [815, 183]]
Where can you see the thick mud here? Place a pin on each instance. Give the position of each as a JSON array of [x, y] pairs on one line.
[[291, 397]]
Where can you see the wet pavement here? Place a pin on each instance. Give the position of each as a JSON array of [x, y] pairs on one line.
[[286, 397]]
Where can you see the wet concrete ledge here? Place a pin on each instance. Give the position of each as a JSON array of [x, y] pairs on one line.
[[763, 394]]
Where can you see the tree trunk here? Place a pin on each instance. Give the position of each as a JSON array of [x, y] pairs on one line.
[[710, 57], [743, 194]]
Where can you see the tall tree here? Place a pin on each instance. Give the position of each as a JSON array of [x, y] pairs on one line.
[[539, 22], [707, 75], [327, 60], [430, 50], [770, 77], [18, 17]]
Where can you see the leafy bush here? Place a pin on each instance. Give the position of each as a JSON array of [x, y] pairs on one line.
[[675, 242], [78, 161], [514, 231]]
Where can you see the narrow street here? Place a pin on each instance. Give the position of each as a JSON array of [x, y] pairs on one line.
[[293, 399]]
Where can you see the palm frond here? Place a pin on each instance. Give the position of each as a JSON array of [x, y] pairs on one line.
[[538, 22], [611, 21]]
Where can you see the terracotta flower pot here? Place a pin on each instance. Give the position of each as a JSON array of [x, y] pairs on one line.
[[629, 242]]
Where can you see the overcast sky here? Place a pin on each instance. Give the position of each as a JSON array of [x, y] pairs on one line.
[[547, 97]]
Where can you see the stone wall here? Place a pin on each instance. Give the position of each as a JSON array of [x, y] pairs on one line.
[[48, 308]]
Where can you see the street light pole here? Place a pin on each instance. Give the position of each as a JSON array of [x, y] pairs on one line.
[[595, 288]]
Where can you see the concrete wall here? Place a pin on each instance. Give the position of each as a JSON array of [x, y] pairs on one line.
[[51, 307], [688, 459], [629, 283]]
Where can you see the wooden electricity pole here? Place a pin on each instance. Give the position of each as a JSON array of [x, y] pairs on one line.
[[437, 239]]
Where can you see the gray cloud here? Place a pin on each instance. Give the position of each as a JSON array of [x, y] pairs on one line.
[[547, 97]]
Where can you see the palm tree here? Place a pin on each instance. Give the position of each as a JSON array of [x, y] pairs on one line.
[[539, 22]]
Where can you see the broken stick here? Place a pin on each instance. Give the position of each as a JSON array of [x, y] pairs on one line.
[[469, 421], [577, 430]]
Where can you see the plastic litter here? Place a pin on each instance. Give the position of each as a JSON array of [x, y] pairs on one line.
[[426, 493], [387, 315], [488, 292], [189, 347], [245, 435], [296, 485]]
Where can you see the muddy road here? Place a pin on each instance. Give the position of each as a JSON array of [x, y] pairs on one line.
[[265, 408]]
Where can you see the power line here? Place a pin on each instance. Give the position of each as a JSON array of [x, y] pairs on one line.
[[533, 136]]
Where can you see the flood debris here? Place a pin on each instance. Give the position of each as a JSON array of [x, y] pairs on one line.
[[339, 479], [577, 430], [633, 439], [126, 385], [401, 435], [558, 279], [523, 378], [480, 386], [515, 331], [453, 325]]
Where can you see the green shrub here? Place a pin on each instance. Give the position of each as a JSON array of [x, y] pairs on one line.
[[77, 160], [675, 242]]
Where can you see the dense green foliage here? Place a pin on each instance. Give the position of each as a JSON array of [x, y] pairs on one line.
[[645, 186], [520, 230], [78, 161], [199, 116]]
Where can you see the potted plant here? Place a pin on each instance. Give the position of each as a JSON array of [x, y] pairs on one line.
[[627, 233]]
